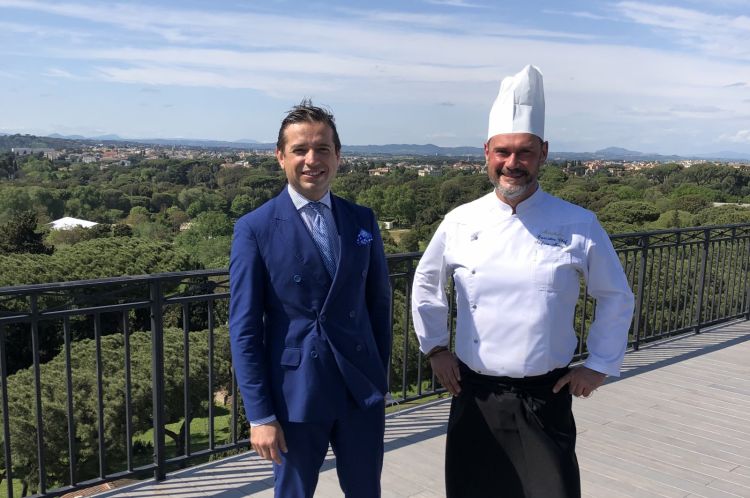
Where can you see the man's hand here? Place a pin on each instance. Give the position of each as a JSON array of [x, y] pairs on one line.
[[581, 381], [267, 440], [445, 368]]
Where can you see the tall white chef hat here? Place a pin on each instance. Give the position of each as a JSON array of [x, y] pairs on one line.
[[519, 106]]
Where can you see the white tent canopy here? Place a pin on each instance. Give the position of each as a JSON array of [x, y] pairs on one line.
[[67, 223]]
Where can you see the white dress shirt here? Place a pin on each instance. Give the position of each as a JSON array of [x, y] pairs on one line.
[[517, 283]]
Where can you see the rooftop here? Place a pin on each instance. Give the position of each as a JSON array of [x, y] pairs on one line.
[[676, 424]]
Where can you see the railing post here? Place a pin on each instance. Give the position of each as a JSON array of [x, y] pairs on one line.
[[157, 376], [643, 261], [6, 415], [407, 307], [747, 285], [702, 280], [38, 394]]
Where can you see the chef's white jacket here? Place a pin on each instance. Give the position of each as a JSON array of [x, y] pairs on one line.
[[517, 283]]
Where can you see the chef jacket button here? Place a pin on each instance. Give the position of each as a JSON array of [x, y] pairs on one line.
[[297, 279], [476, 341], [473, 272], [473, 306], [322, 318], [358, 347], [313, 354]]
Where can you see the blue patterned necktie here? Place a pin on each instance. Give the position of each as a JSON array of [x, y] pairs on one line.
[[322, 237]]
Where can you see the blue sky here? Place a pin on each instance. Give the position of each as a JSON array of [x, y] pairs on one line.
[[667, 77]]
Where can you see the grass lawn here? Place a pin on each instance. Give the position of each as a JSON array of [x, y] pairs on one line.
[[397, 233]]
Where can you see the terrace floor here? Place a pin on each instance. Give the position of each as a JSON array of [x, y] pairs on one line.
[[676, 424]]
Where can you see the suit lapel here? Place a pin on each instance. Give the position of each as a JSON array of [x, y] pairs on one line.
[[347, 227], [296, 237]]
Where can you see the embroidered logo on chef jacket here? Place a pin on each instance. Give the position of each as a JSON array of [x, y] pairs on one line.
[[549, 238], [552, 262]]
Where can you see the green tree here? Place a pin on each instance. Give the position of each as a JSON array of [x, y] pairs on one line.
[[631, 212], [23, 428], [20, 235], [242, 204], [723, 215]]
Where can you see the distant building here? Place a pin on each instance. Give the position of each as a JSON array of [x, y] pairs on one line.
[[30, 151], [68, 223], [429, 170], [379, 171]]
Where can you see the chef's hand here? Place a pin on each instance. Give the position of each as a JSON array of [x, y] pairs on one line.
[[581, 381], [445, 367]]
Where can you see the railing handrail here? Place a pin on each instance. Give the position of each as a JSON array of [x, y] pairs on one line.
[[69, 284], [682, 282]]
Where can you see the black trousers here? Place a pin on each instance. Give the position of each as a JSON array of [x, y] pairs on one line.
[[511, 438]]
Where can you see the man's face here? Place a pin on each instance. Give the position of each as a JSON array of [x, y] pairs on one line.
[[513, 162], [309, 158]]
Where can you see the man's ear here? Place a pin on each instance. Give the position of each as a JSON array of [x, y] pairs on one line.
[[545, 150], [280, 158]]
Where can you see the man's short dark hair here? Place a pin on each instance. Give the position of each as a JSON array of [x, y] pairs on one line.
[[306, 112]]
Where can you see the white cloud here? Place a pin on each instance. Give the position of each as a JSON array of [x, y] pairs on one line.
[[455, 3], [696, 109], [579, 13], [723, 36], [741, 137], [411, 61], [60, 73]]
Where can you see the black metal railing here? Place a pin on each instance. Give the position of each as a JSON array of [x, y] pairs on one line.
[[96, 375]]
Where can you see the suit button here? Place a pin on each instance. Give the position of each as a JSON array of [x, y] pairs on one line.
[[322, 318], [297, 279], [352, 314], [364, 273], [358, 347], [313, 354]]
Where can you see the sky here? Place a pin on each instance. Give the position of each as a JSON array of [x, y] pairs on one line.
[[669, 77]]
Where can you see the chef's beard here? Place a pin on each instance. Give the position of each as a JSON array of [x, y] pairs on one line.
[[512, 191]]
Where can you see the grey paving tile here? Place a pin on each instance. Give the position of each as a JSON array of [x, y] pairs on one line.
[[677, 425]]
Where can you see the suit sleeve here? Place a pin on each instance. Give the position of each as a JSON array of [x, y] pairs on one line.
[[247, 280], [378, 294]]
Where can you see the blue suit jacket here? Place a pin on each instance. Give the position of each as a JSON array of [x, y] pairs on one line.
[[303, 347]]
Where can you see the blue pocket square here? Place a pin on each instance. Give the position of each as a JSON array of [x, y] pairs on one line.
[[363, 237]]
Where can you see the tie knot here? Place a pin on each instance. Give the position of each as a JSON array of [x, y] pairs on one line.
[[316, 206]]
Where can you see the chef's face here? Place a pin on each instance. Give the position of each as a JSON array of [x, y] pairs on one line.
[[513, 163]]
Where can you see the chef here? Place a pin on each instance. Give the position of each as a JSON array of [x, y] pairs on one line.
[[516, 256]]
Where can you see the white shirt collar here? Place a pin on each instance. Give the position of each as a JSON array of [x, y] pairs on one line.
[[301, 201]]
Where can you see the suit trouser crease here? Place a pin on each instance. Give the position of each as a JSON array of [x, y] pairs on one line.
[[357, 442]]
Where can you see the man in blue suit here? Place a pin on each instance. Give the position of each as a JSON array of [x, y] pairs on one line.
[[309, 319]]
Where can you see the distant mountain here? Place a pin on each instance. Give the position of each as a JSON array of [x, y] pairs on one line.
[[58, 141], [8, 142], [413, 150], [108, 138], [618, 152], [726, 155], [208, 144], [612, 154], [67, 137]]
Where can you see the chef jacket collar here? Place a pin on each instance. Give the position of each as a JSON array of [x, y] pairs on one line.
[[526, 205]]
